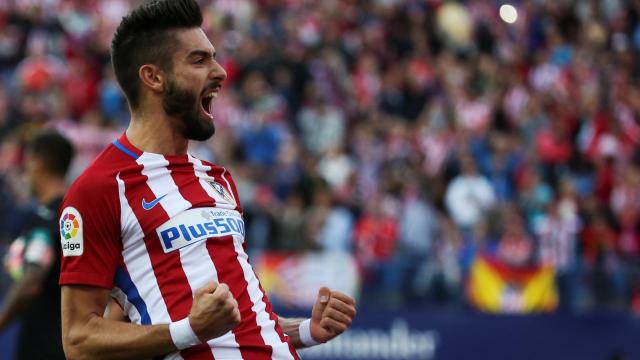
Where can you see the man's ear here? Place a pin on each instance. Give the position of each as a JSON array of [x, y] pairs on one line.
[[34, 164], [152, 77]]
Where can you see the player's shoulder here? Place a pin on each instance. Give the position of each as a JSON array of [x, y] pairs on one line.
[[99, 173], [216, 168], [99, 178]]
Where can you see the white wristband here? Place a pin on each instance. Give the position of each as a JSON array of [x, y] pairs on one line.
[[182, 334], [305, 333]]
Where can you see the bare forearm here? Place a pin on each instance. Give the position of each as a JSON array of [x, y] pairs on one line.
[[87, 335], [17, 299], [291, 327], [103, 339], [21, 295]]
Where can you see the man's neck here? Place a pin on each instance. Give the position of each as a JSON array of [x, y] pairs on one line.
[[50, 189], [152, 132]]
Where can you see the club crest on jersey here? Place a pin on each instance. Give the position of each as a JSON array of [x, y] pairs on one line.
[[221, 191], [71, 232]]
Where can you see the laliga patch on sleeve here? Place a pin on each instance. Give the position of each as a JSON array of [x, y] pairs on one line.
[[71, 232]]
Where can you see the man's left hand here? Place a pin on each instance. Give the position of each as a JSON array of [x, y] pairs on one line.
[[332, 314]]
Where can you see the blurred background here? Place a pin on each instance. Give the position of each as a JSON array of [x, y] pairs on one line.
[[469, 170]]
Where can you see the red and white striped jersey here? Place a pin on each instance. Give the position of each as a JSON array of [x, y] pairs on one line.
[[155, 228]]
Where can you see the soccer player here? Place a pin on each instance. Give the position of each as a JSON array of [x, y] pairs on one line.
[[162, 232], [33, 260]]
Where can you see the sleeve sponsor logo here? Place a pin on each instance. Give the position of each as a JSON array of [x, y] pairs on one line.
[[195, 225], [71, 232]]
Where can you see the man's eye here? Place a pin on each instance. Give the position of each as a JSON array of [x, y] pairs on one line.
[[200, 61]]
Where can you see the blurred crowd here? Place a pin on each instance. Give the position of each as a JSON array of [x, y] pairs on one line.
[[414, 134]]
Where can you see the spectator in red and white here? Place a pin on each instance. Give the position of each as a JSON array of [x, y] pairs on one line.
[[625, 197], [557, 232], [557, 235]]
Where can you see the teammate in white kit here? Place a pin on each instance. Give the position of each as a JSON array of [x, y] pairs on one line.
[[162, 232]]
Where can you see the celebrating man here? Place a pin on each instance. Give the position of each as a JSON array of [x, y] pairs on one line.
[[161, 231]]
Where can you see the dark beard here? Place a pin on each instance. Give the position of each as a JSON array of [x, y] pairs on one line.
[[184, 105]]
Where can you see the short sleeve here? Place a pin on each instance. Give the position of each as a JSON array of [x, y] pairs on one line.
[[90, 233]]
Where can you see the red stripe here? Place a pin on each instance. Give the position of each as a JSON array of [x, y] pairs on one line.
[[183, 174], [172, 281], [247, 333], [198, 352]]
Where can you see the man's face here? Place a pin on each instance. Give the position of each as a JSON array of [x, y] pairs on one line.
[[193, 83], [32, 170]]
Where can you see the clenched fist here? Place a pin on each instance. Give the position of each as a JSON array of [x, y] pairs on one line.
[[214, 311], [332, 314]]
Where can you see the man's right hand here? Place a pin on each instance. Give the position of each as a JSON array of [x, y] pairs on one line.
[[214, 311]]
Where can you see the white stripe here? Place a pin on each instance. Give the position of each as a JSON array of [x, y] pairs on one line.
[[195, 259], [161, 183], [225, 347], [267, 325], [138, 262], [127, 307]]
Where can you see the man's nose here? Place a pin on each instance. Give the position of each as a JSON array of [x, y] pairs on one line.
[[218, 73]]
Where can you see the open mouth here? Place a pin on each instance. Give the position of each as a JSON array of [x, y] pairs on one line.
[[206, 100]]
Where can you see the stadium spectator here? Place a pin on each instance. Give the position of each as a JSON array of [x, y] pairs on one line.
[[469, 196]]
